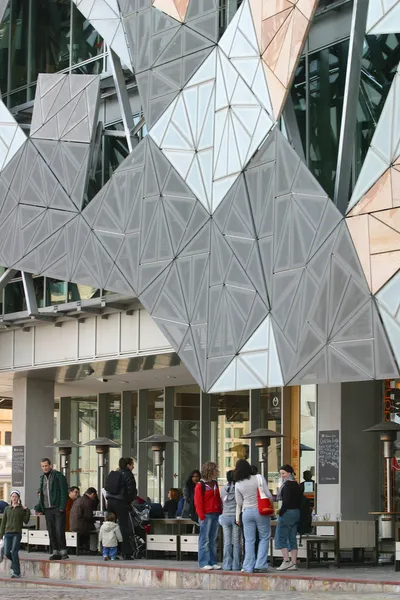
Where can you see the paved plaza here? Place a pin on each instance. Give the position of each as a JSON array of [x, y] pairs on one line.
[[9, 592]]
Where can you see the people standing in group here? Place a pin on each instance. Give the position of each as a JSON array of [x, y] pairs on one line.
[[109, 538], [121, 491], [52, 503], [230, 529], [14, 517], [290, 495], [81, 517], [188, 510], [246, 487], [73, 494], [208, 505]]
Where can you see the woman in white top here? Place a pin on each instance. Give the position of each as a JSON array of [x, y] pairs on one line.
[[246, 486]]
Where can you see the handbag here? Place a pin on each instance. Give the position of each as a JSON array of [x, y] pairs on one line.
[[264, 503]]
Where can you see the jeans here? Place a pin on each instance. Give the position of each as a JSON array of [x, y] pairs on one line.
[[12, 542], [121, 510], [208, 540], [55, 523], [286, 530], [253, 522], [110, 552], [232, 552]]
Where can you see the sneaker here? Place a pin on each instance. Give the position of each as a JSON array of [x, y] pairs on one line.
[[286, 564], [216, 567], [64, 557], [260, 570], [293, 567], [106, 558], [207, 568], [55, 557], [115, 558], [14, 576]]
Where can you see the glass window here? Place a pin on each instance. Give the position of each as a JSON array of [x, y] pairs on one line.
[[228, 462], [308, 428], [38, 284], [115, 426], [51, 36], [7, 438], [115, 151], [77, 292], [228, 432], [84, 429], [271, 418], [86, 42], [229, 411], [14, 297], [19, 44], [5, 30], [94, 67], [187, 431], [155, 423], [56, 292]]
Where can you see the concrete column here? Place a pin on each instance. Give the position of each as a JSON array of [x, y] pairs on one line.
[[33, 423], [169, 480], [65, 418], [350, 408], [255, 400], [103, 415], [142, 451], [126, 423]]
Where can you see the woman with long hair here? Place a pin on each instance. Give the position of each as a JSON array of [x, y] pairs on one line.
[[188, 510], [231, 531], [14, 518], [207, 501], [246, 487], [288, 518]]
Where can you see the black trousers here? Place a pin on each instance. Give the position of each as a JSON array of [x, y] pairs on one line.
[[121, 510], [55, 523]]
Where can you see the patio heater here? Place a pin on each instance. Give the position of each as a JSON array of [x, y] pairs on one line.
[[262, 439], [103, 446], [65, 449], [158, 445], [388, 433]]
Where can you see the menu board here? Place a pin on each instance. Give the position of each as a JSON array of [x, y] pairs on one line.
[[328, 456], [18, 466]]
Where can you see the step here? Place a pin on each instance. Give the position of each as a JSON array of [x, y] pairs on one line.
[[92, 572]]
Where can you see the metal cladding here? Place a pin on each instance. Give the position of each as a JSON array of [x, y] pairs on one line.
[[213, 221]]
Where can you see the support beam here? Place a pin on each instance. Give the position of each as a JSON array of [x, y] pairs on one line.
[[6, 278], [123, 97], [65, 419], [205, 427], [103, 415], [142, 451], [169, 430], [292, 127], [30, 295], [350, 104], [126, 424]]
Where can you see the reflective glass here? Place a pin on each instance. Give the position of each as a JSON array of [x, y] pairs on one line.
[[299, 99], [14, 297], [56, 291], [51, 36], [77, 292], [271, 418], [86, 42], [83, 429], [4, 49], [187, 431], [308, 428], [381, 56], [114, 414], [115, 151], [38, 284], [155, 425], [95, 67], [19, 43]]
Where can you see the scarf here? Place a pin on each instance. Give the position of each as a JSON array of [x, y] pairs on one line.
[[291, 477]]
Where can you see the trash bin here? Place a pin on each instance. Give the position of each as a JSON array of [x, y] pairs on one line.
[[386, 527]]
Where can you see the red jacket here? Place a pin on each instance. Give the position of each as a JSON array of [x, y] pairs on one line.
[[208, 500]]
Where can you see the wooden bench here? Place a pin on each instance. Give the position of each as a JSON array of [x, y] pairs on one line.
[[162, 543]]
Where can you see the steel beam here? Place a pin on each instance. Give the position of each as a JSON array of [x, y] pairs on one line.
[[123, 97], [6, 278], [350, 103], [289, 117], [30, 295]]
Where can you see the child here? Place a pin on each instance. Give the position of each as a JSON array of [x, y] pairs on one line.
[[171, 505], [13, 519], [109, 536]]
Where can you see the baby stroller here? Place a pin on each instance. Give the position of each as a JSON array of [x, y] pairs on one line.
[[138, 524]]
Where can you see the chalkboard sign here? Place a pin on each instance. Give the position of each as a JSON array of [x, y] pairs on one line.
[[18, 466], [328, 457]]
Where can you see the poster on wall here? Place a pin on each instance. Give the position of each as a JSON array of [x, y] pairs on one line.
[[328, 456], [18, 466]]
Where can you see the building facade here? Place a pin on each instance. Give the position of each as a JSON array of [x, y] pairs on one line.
[[198, 233]]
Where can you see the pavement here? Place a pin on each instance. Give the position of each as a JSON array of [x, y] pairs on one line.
[[17, 591]]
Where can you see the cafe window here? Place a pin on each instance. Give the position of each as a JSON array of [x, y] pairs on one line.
[[7, 438], [228, 432]]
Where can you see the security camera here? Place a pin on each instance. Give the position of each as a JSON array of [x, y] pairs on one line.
[[88, 371]]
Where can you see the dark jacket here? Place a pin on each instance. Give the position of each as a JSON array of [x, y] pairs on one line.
[[291, 497], [3, 506], [68, 508], [128, 491], [81, 516], [13, 520], [171, 507], [58, 491]]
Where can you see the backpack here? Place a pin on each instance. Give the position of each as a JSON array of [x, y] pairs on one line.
[[114, 483], [305, 525]]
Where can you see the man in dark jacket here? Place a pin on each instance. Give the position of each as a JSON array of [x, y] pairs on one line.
[[81, 517], [119, 502], [52, 502]]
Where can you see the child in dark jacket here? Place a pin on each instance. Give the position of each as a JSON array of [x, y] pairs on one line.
[[14, 517]]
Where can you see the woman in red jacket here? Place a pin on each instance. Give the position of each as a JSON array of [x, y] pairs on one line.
[[208, 505]]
